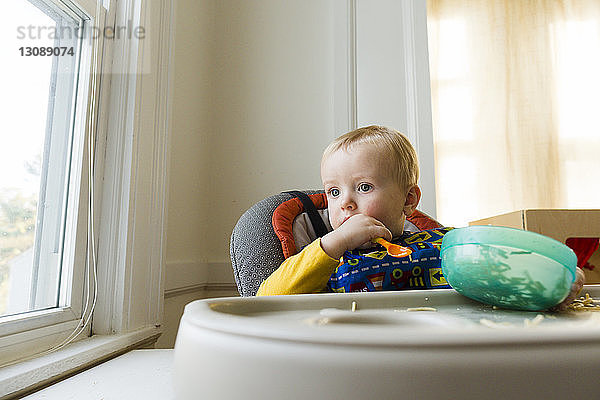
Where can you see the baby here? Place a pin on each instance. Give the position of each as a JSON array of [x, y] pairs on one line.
[[370, 179]]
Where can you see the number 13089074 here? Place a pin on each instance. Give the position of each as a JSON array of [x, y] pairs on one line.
[[46, 51]]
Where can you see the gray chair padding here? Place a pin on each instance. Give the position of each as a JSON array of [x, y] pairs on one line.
[[254, 248]]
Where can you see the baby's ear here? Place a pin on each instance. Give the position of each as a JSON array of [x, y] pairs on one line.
[[412, 200]]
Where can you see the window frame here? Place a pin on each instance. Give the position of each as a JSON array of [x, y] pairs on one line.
[[131, 176], [26, 333]]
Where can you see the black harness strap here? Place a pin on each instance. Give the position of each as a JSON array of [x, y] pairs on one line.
[[313, 214]]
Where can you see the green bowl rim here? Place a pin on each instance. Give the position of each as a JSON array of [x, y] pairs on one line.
[[518, 238]]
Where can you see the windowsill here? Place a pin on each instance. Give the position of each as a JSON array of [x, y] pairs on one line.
[[22, 378], [138, 374]]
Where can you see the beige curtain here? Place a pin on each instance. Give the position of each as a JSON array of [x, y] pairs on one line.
[[516, 105]]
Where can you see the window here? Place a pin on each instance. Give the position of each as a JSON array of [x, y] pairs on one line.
[[514, 100], [514, 94], [125, 104], [47, 97]]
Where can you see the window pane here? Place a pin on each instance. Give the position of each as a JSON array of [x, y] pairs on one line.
[[524, 109], [37, 102]]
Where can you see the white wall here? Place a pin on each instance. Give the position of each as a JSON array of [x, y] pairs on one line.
[[253, 107], [273, 104], [189, 177], [254, 97], [260, 88]]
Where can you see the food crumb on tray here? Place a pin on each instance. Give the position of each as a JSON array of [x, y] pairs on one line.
[[534, 321], [492, 324], [421, 309], [527, 322], [586, 303]]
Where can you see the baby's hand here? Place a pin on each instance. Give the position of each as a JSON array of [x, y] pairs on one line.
[[575, 289], [358, 230]]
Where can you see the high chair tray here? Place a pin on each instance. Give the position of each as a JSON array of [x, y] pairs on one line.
[[421, 344]]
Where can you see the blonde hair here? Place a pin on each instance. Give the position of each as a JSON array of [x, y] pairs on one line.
[[402, 156]]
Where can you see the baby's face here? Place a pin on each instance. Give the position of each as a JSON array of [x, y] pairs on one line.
[[357, 182]]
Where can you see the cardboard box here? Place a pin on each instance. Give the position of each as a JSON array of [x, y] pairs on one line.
[[557, 224]]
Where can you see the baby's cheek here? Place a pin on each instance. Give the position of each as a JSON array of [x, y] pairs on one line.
[[375, 212], [333, 218]]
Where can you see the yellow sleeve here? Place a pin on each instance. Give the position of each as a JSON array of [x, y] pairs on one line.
[[305, 272]]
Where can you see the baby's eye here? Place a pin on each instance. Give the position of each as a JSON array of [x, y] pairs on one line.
[[334, 192], [364, 187]]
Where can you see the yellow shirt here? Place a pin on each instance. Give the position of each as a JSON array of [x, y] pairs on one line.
[[305, 272]]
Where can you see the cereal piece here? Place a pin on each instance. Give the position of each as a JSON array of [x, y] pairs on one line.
[[534, 321], [492, 324], [421, 309]]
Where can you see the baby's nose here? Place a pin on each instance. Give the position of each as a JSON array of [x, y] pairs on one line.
[[349, 204]]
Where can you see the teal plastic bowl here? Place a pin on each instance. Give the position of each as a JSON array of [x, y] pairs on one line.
[[508, 268]]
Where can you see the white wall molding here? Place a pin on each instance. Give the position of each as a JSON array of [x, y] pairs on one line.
[[132, 226], [410, 73], [392, 78], [185, 276], [163, 87], [418, 96], [352, 67], [344, 74]]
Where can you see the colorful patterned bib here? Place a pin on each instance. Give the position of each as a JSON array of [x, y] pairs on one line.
[[374, 269]]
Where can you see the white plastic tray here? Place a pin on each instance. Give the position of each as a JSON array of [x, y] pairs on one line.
[[298, 346]]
